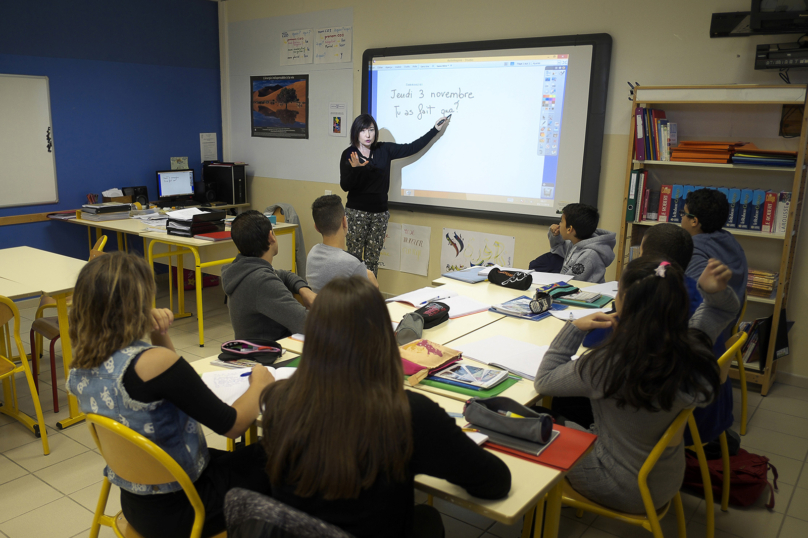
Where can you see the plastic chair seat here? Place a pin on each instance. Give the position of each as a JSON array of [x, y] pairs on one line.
[[123, 528], [47, 327], [570, 496]]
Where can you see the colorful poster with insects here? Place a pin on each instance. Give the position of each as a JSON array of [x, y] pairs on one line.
[[461, 249]]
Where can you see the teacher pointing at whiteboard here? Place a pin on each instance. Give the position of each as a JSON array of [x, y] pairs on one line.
[[364, 173]]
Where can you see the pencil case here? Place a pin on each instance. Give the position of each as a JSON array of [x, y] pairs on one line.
[[504, 415], [263, 353]]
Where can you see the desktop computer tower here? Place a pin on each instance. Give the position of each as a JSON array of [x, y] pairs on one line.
[[225, 182]]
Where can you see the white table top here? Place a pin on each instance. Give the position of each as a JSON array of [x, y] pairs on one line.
[[28, 271]]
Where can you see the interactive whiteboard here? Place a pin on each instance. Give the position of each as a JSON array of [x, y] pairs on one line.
[[526, 132]]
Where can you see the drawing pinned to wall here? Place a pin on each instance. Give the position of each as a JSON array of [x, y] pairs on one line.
[[279, 106], [337, 117], [296, 47], [333, 45], [462, 248], [390, 257], [415, 249]]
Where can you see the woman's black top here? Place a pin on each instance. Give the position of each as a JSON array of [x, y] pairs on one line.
[[367, 186], [440, 449]]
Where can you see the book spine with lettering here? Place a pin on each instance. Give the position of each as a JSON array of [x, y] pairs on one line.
[[653, 205], [645, 199], [631, 203], [783, 205], [639, 135], [734, 198], [745, 207], [758, 198], [677, 204], [641, 180], [768, 223], [664, 203]]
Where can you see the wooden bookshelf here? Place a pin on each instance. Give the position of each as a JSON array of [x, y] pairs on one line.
[[746, 100]]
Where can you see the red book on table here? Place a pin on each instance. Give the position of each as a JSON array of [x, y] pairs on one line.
[[214, 236], [562, 454]]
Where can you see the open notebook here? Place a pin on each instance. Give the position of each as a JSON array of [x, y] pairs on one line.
[[230, 385]]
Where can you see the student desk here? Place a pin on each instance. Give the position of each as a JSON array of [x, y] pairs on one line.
[[208, 255], [27, 272]]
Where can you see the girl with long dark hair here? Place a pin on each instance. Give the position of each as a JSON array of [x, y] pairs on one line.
[[344, 439], [364, 173], [654, 365]]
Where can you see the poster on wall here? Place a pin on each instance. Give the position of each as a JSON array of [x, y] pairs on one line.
[[461, 249], [415, 249], [337, 119], [279, 106], [390, 257], [296, 47], [333, 45]]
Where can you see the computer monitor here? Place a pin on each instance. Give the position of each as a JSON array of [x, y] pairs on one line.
[[175, 184]]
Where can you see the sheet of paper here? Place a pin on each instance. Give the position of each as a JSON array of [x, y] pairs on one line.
[[463, 248], [463, 306], [333, 45], [515, 356], [228, 385], [208, 147], [185, 214], [477, 437], [296, 47], [109, 193], [390, 257], [608, 288], [570, 314], [542, 279], [415, 249], [424, 295]]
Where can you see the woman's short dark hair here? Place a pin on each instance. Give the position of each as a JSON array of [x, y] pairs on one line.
[[584, 218], [343, 420], [652, 356], [362, 122], [710, 206], [669, 241], [250, 233]]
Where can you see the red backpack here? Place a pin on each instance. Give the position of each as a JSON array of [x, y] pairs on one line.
[[748, 477]]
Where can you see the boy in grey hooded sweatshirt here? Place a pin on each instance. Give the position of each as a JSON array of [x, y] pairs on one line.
[[587, 250]]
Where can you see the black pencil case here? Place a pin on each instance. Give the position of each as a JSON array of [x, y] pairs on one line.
[[492, 414]]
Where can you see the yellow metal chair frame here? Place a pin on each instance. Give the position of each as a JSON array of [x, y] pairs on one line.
[[8, 370], [650, 520], [136, 459], [741, 370]]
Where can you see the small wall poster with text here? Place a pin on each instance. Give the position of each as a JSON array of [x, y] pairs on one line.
[[390, 257], [333, 45], [279, 106], [461, 249], [406, 248], [296, 47]]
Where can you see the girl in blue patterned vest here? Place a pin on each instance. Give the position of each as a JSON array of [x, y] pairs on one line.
[[152, 390]]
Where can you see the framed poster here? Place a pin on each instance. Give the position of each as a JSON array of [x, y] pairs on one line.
[[280, 106]]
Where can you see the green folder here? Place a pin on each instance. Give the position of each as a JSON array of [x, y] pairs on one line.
[[493, 391], [600, 303]]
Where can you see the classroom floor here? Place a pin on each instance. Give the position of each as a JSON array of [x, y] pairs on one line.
[[55, 495]]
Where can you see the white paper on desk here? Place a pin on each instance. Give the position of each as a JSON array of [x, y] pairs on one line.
[[570, 314], [185, 214], [109, 193], [485, 270], [424, 295], [608, 288], [301, 337], [520, 358], [230, 385], [463, 306], [542, 279]]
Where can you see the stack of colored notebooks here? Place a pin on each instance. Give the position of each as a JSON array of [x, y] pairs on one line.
[[761, 283], [749, 154], [694, 151]]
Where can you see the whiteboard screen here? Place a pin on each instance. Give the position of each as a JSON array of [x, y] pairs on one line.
[[518, 137], [28, 175]]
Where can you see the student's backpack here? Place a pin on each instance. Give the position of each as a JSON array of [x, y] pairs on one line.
[[748, 477]]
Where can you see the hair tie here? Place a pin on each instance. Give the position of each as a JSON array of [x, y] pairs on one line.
[[660, 270]]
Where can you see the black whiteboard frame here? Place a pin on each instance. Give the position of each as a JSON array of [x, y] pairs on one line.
[[596, 113]]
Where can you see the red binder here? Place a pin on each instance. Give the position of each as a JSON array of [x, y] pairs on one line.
[[214, 236], [562, 454]]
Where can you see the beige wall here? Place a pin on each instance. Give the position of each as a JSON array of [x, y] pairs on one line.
[[655, 42]]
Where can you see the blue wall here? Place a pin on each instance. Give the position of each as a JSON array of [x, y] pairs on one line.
[[132, 84]]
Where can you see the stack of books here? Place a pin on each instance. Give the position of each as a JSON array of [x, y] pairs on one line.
[[105, 211], [751, 155], [761, 283], [654, 135], [694, 151]]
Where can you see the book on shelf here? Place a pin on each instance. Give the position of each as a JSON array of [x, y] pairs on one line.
[[631, 203], [758, 197], [639, 135], [781, 214], [677, 204], [760, 283], [734, 199], [664, 203], [745, 208], [652, 207], [767, 219]]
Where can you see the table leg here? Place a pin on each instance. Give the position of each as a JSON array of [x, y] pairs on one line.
[[126, 242], [76, 415], [199, 309], [119, 237], [553, 515], [181, 288], [527, 524], [294, 253], [170, 281], [90, 237]]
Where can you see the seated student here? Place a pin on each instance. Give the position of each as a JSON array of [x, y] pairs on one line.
[[344, 439], [705, 213], [150, 389], [655, 365], [586, 249], [329, 259], [262, 305]]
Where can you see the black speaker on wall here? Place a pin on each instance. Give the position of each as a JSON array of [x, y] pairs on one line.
[[138, 194]]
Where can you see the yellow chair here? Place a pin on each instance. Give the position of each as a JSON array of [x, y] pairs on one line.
[[741, 369], [49, 328], [8, 370], [650, 520], [137, 459]]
